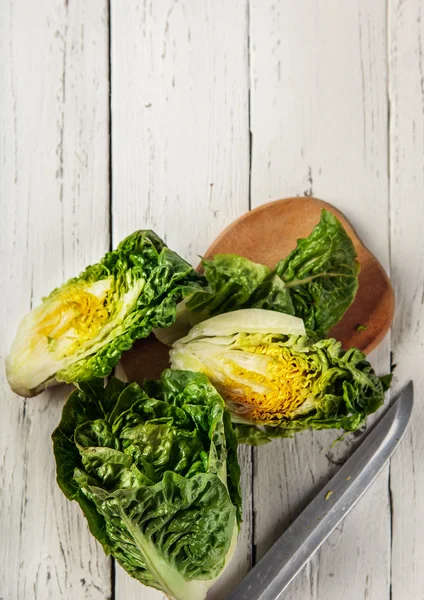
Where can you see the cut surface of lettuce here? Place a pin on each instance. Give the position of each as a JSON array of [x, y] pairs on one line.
[[81, 329], [283, 380], [317, 282], [155, 472]]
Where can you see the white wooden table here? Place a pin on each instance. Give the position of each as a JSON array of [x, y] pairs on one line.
[[179, 116]]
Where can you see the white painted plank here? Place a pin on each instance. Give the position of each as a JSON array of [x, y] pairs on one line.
[[180, 148], [319, 127], [54, 207], [406, 92]]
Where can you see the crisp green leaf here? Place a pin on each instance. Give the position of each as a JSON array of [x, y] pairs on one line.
[[254, 435], [155, 471], [386, 381], [282, 382], [81, 329], [321, 274]]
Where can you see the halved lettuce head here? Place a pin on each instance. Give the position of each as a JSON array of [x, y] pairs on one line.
[[317, 282], [81, 329], [155, 472], [274, 374]]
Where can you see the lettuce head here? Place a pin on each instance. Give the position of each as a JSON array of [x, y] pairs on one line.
[[155, 472], [275, 375], [81, 329]]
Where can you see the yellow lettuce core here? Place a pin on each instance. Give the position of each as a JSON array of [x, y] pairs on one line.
[[274, 392], [80, 310], [74, 316]]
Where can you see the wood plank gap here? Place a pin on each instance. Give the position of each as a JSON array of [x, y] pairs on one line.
[[249, 113], [389, 141], [110, 125], [391, 507], [252, 510], [389, 198], [112, 560], [249, 117], [112, 579]]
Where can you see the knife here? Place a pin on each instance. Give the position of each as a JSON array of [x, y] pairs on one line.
[[274, 572]]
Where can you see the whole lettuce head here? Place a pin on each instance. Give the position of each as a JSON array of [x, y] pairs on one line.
[[274, 374], [81, 329], [157, 477], [317, 282]]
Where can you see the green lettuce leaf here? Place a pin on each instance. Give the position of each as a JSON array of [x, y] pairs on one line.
[[236, 282], [278, 378], [321, 275], [155, 472], [317, 282], [254, 435], [81, 329], [386, 381]]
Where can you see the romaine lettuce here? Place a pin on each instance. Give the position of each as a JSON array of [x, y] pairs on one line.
[[81, 329], [321, 274], [156, 473], [274, 374], [317, 282]]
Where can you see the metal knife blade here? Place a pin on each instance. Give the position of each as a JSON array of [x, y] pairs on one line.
[[271, 576]]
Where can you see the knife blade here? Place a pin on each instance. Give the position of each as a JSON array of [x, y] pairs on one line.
[[274, 572]]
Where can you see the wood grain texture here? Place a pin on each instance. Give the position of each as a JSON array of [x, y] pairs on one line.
[[319, 127], [53, 202], [406, 92], [180, 149]]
